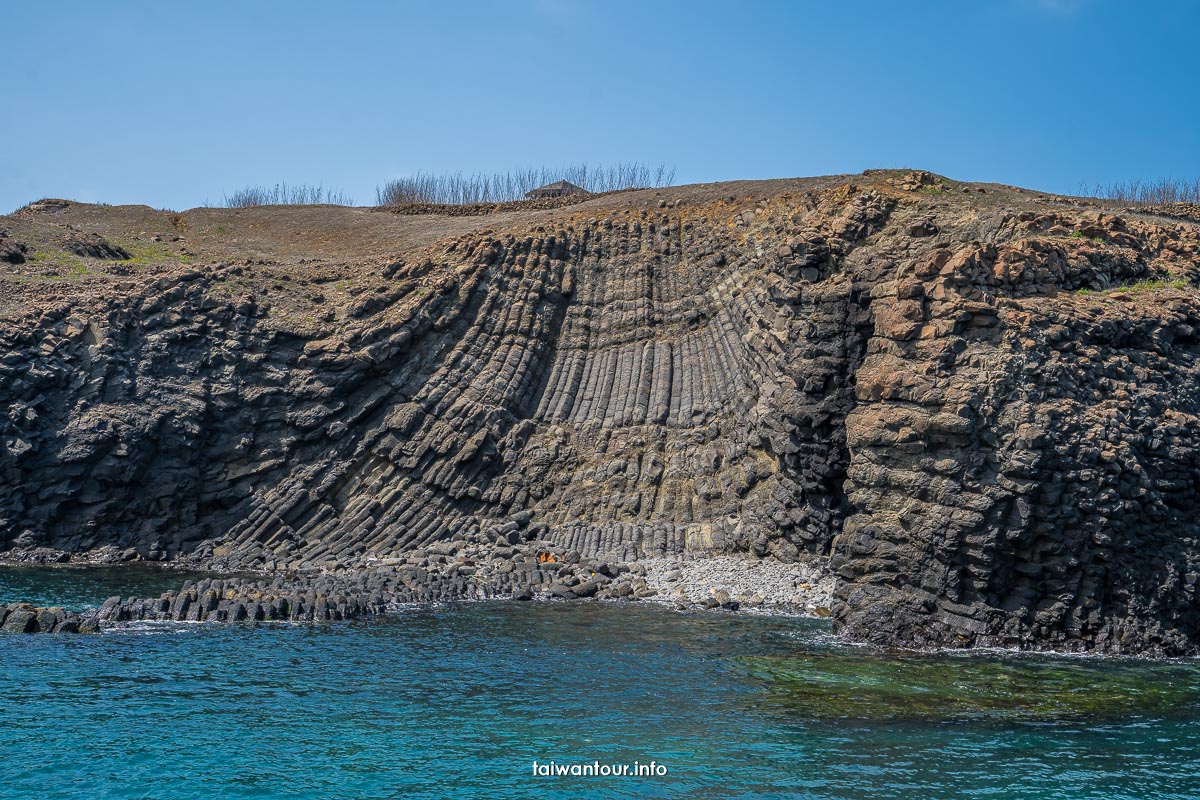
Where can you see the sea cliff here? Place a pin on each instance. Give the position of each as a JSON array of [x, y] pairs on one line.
[[972, 407]]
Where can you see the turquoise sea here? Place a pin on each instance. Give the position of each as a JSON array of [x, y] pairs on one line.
[[460, 701]]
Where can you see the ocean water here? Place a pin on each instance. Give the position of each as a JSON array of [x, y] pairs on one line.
[[76, 587], [459, 701]]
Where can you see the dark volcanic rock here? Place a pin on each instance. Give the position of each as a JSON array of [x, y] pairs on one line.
[[12, 252], [95, 246], [1024, 458], [19, 619], [981, 408]]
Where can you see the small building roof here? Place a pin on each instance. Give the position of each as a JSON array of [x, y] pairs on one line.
[[556, 189]]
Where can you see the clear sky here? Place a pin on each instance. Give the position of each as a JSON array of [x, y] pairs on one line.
[[173, 103]]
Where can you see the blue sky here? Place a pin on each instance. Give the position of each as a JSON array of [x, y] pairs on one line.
[[171, 104]]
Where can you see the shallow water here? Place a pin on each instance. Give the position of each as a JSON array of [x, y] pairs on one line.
[[459, 701], [76, 587]]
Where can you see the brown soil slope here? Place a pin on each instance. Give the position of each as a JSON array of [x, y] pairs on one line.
[[977, 402]]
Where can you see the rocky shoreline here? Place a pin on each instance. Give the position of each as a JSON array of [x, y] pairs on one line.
[[732, 582], [458, 570]]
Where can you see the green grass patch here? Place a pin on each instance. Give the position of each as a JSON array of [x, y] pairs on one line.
[[74, 268], [1139, 287], [1153, 285], [144, 253], [71, 267]]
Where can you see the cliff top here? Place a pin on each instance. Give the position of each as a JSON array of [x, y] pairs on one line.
[[54, 251]]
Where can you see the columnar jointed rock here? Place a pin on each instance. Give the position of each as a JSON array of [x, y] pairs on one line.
[[27, 618], [1026, 455], [483, 567], [895, 371]]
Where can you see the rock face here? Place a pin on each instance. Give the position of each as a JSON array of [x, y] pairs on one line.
[[1024, 459], [12, 252], [95, 246], [979, 407]]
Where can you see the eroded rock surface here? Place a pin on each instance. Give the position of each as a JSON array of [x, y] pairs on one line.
[[978, 408]]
